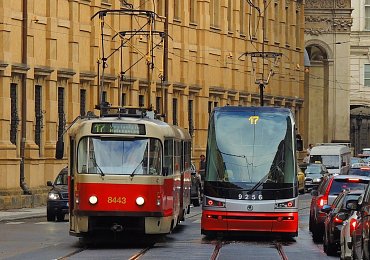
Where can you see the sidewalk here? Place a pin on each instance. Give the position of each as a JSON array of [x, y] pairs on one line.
[[16, 214]]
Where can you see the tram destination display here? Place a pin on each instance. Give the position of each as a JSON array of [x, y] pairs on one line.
[[118, 128]]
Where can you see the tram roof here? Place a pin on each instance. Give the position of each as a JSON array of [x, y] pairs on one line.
[[155, 128], [282, 110]]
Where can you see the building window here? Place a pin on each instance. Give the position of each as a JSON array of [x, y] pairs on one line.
[[104, 96], [230, 15], [14, 120], [190, 117], [61, 113], [276, 22], [158, 104], [214, 13], [210, 103], [242, 17], [298, 29], [287, 25], [176, 11], [38, 114], [141, 100], [253, 23], [367, 15], [192, 10], [82, 102], [123, 99], [367, 75], [174, 110]]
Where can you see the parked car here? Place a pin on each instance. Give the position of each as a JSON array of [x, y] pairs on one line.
[[341, 209], [346, 234], [363, 171], [360, 235], [314, 174], [301, 183], [57, 203], [328, 190], [196, 187]]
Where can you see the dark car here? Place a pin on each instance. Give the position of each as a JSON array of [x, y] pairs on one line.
[[314, 174], [57, 204], [328, 190], [341, 209], [362, 171], [196, 187], [361, 236]]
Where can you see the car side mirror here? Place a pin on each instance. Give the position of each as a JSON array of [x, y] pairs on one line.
[[49, 183], [326, 208], [351, 205], [314, 193]]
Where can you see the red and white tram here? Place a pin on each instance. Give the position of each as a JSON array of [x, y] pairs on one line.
[[128, 173]]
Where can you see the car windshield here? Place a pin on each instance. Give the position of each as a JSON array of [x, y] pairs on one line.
[[314, 169], [339, 185], [330, 161], [62, 179]]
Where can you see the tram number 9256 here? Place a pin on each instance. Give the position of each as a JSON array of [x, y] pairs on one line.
[[250, 196], [116, 200]]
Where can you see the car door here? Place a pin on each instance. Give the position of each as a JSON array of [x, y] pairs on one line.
[[363, 220]]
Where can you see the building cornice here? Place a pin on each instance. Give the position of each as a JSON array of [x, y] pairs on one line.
[[20, 68], [65, 73], [42, 71]]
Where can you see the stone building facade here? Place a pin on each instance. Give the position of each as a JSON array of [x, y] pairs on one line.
[[49, 75], [360, 75], [327, 84]]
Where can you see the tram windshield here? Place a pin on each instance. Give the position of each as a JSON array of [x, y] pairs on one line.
[[112, 156], [251, 149]]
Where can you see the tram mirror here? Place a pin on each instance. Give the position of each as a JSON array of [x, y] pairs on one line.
[[59, 151]]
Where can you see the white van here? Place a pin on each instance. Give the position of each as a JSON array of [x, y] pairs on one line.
[[336, 157]]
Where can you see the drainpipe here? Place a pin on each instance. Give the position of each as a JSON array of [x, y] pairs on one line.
[[24, 98]]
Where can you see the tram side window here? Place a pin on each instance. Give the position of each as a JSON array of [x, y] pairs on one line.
[[168, 157], [155, 157], [187, 155], [177, 157]]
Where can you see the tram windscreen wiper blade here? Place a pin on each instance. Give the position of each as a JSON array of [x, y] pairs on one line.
[[133, 172], [258, 184], [97, 167]]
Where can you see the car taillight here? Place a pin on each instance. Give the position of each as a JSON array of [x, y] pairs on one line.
[[322, 200], [214, 203], [352, 225], [353, 180], [338, 220]]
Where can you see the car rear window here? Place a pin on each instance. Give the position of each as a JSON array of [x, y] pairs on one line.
[[360, 172], [339, 185]]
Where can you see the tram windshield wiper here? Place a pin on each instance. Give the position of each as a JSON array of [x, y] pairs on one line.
[[97, 166], [258, 184], [133, 172]]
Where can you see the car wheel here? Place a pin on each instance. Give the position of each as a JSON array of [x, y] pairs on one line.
[[60, 217], [196, 202], [50, 216], [310, 224], [317, 235]]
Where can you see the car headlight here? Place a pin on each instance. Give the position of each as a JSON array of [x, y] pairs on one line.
[[53, 196], [140, 201], [317, 180]]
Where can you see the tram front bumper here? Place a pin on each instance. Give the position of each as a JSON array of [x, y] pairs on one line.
[[250, 222]]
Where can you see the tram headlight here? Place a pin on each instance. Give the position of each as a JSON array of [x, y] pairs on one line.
[[93, 200], [284, 205], [140, 201], [214, 203]]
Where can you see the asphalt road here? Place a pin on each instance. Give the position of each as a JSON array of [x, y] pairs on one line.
[[39, 239]]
